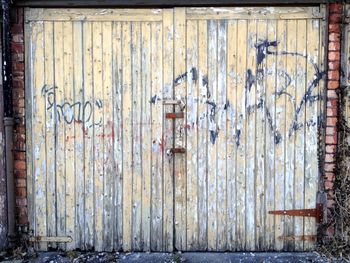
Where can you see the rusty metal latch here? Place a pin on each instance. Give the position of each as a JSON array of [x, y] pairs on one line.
[[56, 239], [174, 115], [313, 212]]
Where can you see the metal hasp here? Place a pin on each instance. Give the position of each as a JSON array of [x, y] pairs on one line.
[[174, 115], [313, 212], [50, 239], [178, 150]]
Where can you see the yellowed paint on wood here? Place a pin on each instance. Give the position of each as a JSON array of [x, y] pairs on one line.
[[50, 130], [212, 147], [301, 87], [39, 138], [168, 130], [280, 116], [89, 209], [311, 168], [231, 126], [69, 132], [60, 135], [241, 83], [260, 118], [179, 137], [146, 135], [241, 134], [127, 134], [289, 134], [79, 135], [108, 137], [137, 142], [250, 101], [117, 144], [191, 135], [270, 136], [98, 15], [202, 135]]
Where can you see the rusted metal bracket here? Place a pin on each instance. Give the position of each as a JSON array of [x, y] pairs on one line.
[[67, 239], [178, 150], [174, 115], [313, 212]]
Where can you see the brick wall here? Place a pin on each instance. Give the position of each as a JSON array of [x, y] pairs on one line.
[[333, 84], [17, 49]]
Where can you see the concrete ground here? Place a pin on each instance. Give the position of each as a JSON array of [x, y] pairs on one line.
[[190, 257]]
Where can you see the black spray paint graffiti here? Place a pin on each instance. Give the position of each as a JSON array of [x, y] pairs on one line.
[[68, 112]]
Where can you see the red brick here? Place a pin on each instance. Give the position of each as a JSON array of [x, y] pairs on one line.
[[332, 104], [17, 57], [17, 29], [18, 84], [20, 155], [20, 182], [18, 66], [331, 130], [21, 191], [335, 8], [18, 38], [331, 121], [333, 75], [331, 148], [334, 65], [332, 94], [21, 202], [334, 37], [329, 158], [20, 174], [333, 84], [335, 18], [328, 185], [17, 47], [334, 55], [19, 165], [331, 139], [333, 112], [334, 28], [334, 46], [329, 177], [19, 103], [329, 167]]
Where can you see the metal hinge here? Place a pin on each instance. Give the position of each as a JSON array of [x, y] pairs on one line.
[[56, 239], [178, 150], [313, 212]]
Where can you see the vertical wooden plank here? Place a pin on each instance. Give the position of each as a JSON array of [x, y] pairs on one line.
[[241, 132], [69, 131], [146, 134], [51, 118], [108, 136], [180, 93], [250, 101], [136, 123], [212, 146], [289, 134], [300, 133], [39, 134], [311, 169], [191, 135], [60, 137], [270, 134], [118, 141], [202, 135], [78, 132], [221, 137], [88, 137], [168, 128], [97, 128], [231, 133], [280, 126], [157, 137], [127, 134], [260, 118]]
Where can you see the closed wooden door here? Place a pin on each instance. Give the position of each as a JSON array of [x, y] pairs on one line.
[[108, 167]]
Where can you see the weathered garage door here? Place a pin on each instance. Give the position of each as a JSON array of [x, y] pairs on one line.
[[181, 128]]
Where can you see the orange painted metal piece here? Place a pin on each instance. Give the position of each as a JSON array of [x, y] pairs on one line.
[[174, 115]]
